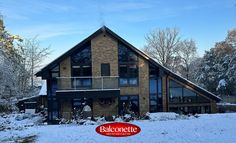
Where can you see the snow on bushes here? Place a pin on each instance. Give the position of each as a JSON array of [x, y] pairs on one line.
[[24, 120], [162, 116], [19, 121]]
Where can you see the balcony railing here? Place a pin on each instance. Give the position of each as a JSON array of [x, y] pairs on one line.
[[88, 83]]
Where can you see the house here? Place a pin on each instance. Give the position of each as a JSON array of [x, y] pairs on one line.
[[34, 104], [111, 75]]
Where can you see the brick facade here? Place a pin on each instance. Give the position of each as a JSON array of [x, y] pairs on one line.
[[66, 109], [65, 71], [129, 90], [143, 86], [105, 109], [104, 50], [213, 106]]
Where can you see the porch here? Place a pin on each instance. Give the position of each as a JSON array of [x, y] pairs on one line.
[[100, 93]]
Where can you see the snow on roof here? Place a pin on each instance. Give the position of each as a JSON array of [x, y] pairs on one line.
[[26, 98], [226, 104], [43, 90]]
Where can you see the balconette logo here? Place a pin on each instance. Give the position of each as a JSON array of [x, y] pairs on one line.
[[118, 129]]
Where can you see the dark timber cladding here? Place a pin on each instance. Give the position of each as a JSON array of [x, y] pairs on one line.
[[132, 75]]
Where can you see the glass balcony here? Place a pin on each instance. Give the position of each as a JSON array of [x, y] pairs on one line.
[[88, 83]]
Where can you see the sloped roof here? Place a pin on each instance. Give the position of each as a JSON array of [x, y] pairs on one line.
[[106, 30], [43, 90]]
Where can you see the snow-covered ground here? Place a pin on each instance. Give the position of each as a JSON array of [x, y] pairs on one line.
[[161, 128]]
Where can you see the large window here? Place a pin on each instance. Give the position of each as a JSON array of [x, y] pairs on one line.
[[190, 109], [153, 95], [179, 94], [176, 95], [54, 75], [155, 89], [126, 55], [53, 109], [81, 67], [82, 57], [128, 66], [53, 113], [128, 74], [189, 96], [129, 105]]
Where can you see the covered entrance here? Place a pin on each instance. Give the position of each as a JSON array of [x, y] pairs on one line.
[[102, 102]]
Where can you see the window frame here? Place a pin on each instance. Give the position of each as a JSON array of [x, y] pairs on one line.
[[154, 75], [104, 67], [53, 79], [129, 75], [130, 98], [128, 63], [182, 99], [81, 68]]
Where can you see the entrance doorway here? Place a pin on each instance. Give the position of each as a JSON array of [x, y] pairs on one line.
[[129, 105], [78, 105]]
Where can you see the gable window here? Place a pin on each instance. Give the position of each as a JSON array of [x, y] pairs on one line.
[[176, 92], [180, 94], [81, 69], [189, 96], [82, 57], [128, 66]]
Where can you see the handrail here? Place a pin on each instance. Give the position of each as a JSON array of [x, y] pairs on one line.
[[88, 82], [87, 77]]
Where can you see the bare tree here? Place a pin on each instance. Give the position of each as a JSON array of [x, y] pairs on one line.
[[186, 50], [161, 45], [33, 55]]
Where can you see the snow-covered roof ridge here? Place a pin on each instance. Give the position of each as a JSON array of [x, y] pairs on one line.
[[30, 97]]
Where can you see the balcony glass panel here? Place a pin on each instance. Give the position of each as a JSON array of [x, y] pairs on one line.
[[88, 83]]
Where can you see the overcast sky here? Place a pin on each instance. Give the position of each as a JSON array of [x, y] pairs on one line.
[[62, 24]]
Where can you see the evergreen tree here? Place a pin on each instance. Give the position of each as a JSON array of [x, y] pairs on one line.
[[217, 70]]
